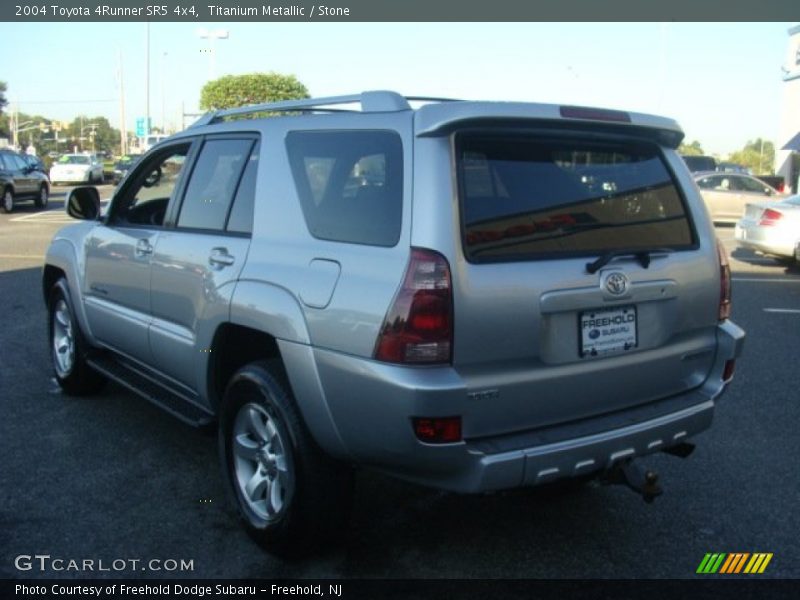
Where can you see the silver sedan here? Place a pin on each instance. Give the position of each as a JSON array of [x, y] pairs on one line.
[[772, 228], [725, 194]]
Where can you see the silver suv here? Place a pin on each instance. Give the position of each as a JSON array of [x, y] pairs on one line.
[[473, 296]]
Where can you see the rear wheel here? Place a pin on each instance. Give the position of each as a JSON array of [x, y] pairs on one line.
[[8, 200], [43, 197], [68, 347], [291, 497]]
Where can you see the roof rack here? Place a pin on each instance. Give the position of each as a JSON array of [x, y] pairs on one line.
[[372, 101]]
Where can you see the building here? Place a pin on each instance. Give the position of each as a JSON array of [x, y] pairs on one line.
[[787, 154]]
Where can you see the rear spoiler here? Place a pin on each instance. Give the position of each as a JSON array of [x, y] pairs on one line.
[[438, 119]]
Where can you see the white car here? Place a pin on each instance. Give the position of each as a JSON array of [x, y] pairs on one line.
[[77, 168], [772, 228]]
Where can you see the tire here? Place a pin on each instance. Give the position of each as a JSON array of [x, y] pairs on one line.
[[43, 197], [291, 498], [68, 347], [8, 200]]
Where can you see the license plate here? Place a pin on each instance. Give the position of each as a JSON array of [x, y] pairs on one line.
[[608, 330]]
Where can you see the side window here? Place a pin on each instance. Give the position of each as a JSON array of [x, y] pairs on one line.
[[350, 184], [241, 217], [750, 185], [145, 200], [213, 183], [17, 162], [707, 183]]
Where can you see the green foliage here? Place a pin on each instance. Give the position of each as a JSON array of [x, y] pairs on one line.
[[87, 133], [3, 100], [758, 155], [232, 91], [692, 149]]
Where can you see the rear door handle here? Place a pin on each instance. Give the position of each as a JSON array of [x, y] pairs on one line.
[[143, 248], [220, 257]]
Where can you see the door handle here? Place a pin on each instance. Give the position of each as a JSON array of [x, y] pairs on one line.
[[220, 257], [143, 248]]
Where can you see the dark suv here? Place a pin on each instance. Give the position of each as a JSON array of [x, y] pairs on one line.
[[21, 180]]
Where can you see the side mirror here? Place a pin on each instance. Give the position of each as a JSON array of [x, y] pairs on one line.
[[83, 203]]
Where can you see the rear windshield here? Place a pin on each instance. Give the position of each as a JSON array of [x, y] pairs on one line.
[[700, 163], [525, 197]]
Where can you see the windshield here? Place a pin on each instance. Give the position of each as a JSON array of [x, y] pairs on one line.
[[524, 197], [73, 159]]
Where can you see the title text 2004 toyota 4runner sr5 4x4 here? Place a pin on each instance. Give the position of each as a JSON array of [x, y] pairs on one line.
[[468, 295]]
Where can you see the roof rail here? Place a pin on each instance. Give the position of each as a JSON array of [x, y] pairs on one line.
[[373, 101]]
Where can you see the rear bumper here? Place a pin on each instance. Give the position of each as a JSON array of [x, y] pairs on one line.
[[769, 240], [372, 405]]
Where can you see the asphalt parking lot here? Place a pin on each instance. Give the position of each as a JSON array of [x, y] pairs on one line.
[[112, 477]]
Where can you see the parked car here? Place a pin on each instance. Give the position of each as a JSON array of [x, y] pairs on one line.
[[729, 167], [700, 163], [557, 307], [19, 180], [77, 168], [775, 181], [726, 194], [772, 228], [122, 166]]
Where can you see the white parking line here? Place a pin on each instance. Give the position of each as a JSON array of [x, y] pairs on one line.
[[23, 256], [54, 215], [788, 311]]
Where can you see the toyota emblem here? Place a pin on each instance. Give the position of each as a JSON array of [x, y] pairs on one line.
[[617, 284]]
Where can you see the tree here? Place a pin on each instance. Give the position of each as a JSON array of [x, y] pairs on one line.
[[232, 91], [3, 101], [758, 155], [692, 149]]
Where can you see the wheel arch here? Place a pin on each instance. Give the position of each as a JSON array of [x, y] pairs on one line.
[[266, 322]]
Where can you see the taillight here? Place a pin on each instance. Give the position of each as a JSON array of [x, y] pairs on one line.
[[437, 430], [770, 217], [418, 328], [781, 187], [724, 283]]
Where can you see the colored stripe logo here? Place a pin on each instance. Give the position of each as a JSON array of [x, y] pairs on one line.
[[734, 563]]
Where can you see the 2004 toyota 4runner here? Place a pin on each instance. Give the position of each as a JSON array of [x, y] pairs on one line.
[[469, 295]]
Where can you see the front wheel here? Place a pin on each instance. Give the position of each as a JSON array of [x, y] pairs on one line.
[[68, 347], [292, 499], [8, 200]]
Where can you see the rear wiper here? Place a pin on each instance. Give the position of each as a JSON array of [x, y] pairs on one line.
[[643, 256]]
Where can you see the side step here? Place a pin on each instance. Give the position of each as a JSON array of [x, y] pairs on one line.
[[175, 403]]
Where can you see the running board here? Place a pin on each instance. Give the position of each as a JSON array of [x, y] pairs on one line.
[[174, 403]]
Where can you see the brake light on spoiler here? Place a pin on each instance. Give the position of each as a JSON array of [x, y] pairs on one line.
[[595, 114]]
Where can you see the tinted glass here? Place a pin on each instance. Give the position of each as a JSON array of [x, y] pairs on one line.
[[17, 162], [751, 185], [214, 179], [350, 184], [241, 219], [144, 200], [524, 197]]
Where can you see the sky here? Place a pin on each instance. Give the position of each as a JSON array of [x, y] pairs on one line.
[[721, 81]]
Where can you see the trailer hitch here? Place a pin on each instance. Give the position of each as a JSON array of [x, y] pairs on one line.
[[628, 473]]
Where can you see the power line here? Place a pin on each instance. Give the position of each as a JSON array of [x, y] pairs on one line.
[[60, 101]]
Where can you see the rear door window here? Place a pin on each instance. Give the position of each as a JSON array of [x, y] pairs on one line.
[[527, 197], [350, 184], [214, 181]]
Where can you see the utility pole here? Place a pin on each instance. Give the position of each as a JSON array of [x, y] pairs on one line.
[[147, 83], [123, 130]]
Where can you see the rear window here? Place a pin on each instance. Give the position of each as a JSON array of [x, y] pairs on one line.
[[350, 184], [524, 197]]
